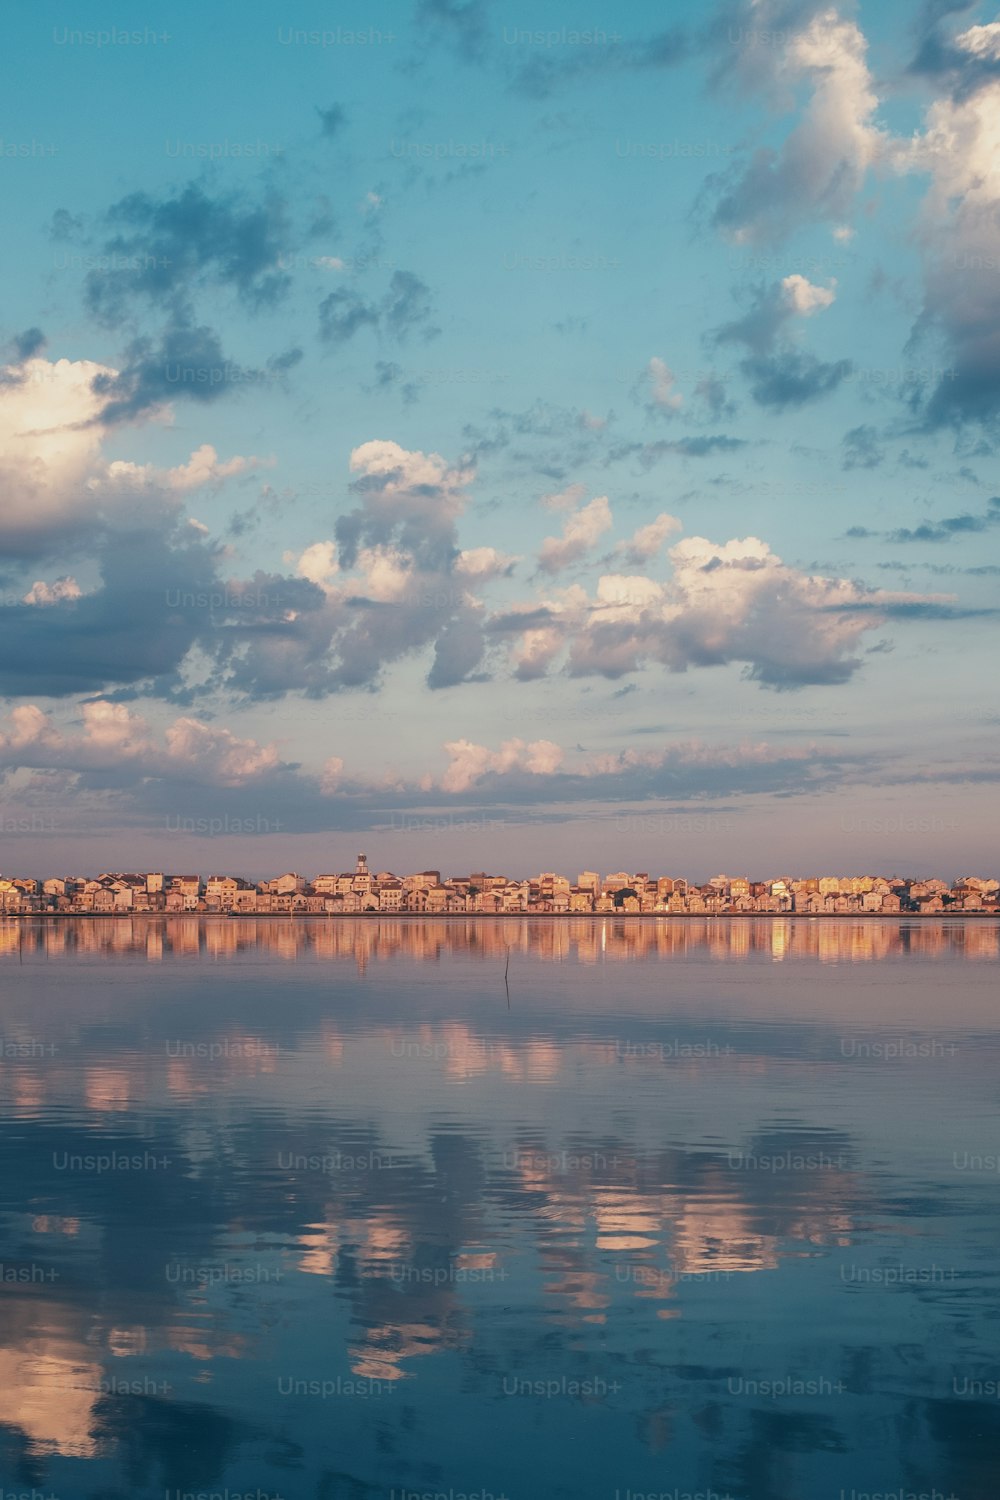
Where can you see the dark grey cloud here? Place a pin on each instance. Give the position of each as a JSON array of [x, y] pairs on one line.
[[331, 120], [820, 167], [650, 454], [780, 374], [144, 793], [167, 248], [125, 631], [942, 570], [167, 255], [65, 226], [187, 361], [969, 315], [465, 24], [544, 440], [949, 526], [407, 305], [343, 313], [404, 308], [915, 610], [484, 35], [390, 376], [935, 531], [741, 39], [792, 378], [712, 391], [677, 775], [458, 649], [516, 621], [544, 71], [25, 346], [861, 449], [936, 57], [419, 518]]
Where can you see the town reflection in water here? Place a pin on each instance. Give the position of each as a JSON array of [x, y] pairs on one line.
[[281, 1209], [588, 939]]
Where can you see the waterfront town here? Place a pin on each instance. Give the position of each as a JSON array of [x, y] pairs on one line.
[[360, 891]]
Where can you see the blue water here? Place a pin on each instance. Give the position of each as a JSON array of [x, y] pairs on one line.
[[307, 1209]]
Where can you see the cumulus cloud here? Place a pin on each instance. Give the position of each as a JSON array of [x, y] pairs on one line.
[[59, 488], [565, 499], [318, 563], [465, 23], [394, 582], [218, 754], [332, 120], [817, 174], [646, 542], [580, 531], [163, 248], [479, 564], [405, 308], [822, 164], [49, 448], [160, 256], [204, 469], [958, 232], [409, 497], [114, 738], [51, 593], [950, 526], [331, 775], [861, 448], [734, 602], [469, 762], [543, 772]]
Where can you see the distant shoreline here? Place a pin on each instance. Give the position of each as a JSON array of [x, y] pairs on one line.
[[502, 916]]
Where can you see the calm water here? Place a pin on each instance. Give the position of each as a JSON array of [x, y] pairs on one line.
[[306, 1210]]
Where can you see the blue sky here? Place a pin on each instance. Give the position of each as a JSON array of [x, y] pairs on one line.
[[500, 436]]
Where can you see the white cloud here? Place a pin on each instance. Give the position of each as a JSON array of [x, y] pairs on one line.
[[386, 573], [221, 755], [822, 164], [469, 762], [318, 563], [730, 602], [662, 380], [804, 298], [482, 563], [981, 41], [202, 468], [647, 540], [115, 738], [580, 532], [52, 593], [567, 499], [331, 775], [49, 445], [401, 470], [960, 149]]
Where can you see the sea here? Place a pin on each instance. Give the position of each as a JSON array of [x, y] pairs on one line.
[[532, 1208]]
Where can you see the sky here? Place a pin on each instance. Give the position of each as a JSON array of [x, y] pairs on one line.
[[500, 436]]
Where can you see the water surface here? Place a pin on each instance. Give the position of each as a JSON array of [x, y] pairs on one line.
[[305, 1209]]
